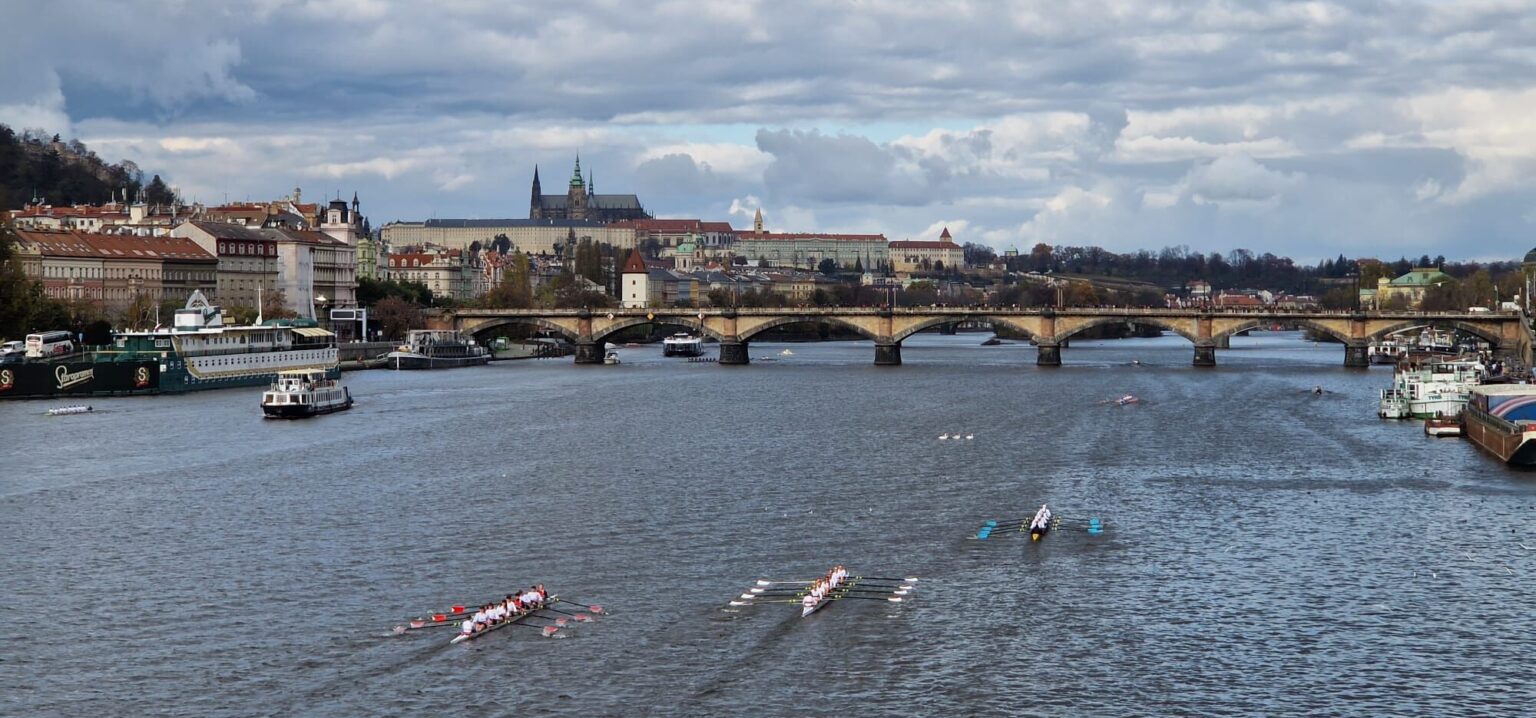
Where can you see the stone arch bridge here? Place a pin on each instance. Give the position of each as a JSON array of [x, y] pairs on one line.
[[1050, 329]]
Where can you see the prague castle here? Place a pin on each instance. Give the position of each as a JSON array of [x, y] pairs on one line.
[[579, 202]]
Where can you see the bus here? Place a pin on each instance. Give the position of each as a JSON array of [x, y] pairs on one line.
[[49, 344]]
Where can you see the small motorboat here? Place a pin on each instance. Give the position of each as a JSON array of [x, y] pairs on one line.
[[1443, 426], [611, 358], [67, 410], [1127, 399], [786, 353]]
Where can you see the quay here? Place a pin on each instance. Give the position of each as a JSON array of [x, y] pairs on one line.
[[1049, 329]]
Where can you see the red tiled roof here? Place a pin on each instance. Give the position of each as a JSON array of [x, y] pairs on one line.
[[113, 246], [923, 244], [744, 234], [945, 235], [635, 264]]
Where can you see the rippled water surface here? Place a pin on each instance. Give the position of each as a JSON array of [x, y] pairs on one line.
[[1269, 551]]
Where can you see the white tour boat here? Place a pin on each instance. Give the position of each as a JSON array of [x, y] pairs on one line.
[[304, 392], [682, 344]]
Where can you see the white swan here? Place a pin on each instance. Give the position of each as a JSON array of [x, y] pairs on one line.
[[968, 437], [942, 437]]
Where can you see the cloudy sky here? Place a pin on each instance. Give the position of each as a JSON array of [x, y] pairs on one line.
[[1304, 129]]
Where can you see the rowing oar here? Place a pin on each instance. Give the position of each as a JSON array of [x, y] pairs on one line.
[[908, 579], [582, 617], [594, 608], [893, 599], [882, 591]]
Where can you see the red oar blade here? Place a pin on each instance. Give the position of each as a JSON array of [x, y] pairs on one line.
[[584, 618], [596, 609], [550, 630]]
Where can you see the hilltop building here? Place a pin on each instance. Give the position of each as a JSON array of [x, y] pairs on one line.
[[580, 202], [909, 256]]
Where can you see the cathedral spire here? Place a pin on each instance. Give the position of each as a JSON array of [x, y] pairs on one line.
[[757, 222], [576, 180]]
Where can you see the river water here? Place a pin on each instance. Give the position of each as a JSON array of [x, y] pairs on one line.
[[1268, 552]]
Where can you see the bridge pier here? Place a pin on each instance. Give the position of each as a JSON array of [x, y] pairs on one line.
[[734, 353], [1050, 355], [888, 354], [1356, 356], [589, 352], [1205, 355]]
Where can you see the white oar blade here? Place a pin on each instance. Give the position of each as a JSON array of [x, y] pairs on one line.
[[756, 590], [894, 600], [741, 603], [746, 596]]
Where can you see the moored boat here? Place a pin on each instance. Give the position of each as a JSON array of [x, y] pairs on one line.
[[437, 349], [1443, 426], [302, 393], [682, 344], [1501, 418], [199, 352]]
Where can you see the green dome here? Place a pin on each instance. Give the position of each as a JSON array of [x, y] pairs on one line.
[[1530, 257]]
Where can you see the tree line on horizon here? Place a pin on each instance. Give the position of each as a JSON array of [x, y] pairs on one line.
[[34, 164]]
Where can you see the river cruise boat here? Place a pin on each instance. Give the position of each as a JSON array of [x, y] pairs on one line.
[[1426, 389], [682, 344], [1438, 341], [198, 352], [1386, 351], [301, 393], [437, 349], [1501, 418]]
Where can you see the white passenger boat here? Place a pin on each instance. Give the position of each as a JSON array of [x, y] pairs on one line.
[[1427, 389], [682, 344], [301, 393], [437, 349]]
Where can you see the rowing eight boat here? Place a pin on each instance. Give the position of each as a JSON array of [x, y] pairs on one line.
[[548, 601]]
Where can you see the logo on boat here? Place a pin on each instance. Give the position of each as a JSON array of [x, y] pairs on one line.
[[141, 377], [7, 379], [69, 378]]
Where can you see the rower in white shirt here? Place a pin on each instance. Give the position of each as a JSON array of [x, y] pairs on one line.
[[468, 627]]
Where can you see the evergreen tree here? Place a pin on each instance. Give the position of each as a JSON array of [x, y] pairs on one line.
[[158, 193]]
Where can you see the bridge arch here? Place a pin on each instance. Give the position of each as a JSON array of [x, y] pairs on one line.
[[1322, 328], [484, 326], [619, 325], [808, 319], [1101, 321], [1240, 328], [996, 322]]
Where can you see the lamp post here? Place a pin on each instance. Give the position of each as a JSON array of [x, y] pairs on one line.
[[1355, 275]]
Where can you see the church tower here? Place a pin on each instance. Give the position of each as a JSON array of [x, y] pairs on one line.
[[536, 205], [757, 222], [576, 196]]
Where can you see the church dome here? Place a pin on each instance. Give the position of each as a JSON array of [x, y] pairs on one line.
[[1530, 257]]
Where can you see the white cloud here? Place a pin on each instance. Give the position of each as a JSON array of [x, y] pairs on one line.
[[1103, 122]]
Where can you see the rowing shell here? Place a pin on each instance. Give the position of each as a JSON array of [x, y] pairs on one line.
[[548, 601], [837, 592]]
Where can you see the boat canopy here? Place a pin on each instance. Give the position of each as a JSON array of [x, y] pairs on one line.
[[312, 332]]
